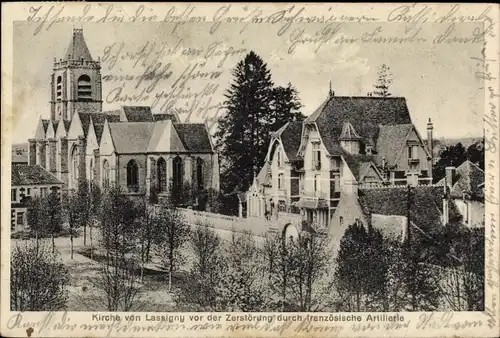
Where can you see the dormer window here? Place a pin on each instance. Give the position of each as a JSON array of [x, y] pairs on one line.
[[413, 154], [349, 138], [316, 152]]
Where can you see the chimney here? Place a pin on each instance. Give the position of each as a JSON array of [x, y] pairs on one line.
[[445, 209], [450, 176], [430, 140]]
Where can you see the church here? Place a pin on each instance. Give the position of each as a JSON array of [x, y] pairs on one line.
[[132, 147]]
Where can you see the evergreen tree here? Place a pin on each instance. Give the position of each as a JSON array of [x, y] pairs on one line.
[[254, 110], [452, 156], [475, 154], [384, 81]]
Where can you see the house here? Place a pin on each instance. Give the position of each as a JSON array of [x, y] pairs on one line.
[[143, 152], [28, 181], [348, 142], [465, 185], [19, 153]]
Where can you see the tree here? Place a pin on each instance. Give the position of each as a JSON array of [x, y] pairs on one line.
[[206, 271], [452, 156], [463, 272], [54, 215], [254, 108], [37, 216], [95, 210], [309, 267], [384, 81], [38, 279], [171, 235], [242, 286], [360, 273], [475, 154], [117, 276]]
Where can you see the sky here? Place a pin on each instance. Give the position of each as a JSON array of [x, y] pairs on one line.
[[437, 80]]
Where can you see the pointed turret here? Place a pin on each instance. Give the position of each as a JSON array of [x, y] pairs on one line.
[[349, 138], [77, 49]]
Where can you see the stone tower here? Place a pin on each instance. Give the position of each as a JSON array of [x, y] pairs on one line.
[[76, 81]]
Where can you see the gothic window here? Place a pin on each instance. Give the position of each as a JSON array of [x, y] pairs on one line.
[[161, 174], [84, 88], [91, 169], [59, 88], [74, 164], [177, 176], [105, 172], [132, 176], [199, 173]]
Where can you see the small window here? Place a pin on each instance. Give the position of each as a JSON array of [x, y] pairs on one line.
[[280, 181], [316, 183], [410, 152], [341, 221], [316, 155], [13, 194], [28, 192], [20, 218]]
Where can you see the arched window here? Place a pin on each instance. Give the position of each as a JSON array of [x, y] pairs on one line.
[[177, 178], [59, 88], [74, 165], [132, 176], [161, 174], [84, 88], [105, 172], [91, 169], [199, 173]]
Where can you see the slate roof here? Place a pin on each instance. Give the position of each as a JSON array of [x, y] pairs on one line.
[[77, 48], [67, 123], [291, 136], [23, 174], [469, 179], [55, 124], [138, 113], [364, 113], [356, 162], [162, 117], [131, 137], [85, 121], [390, 141], [194, 136], [102, 117], [98, 129], [426, 204]]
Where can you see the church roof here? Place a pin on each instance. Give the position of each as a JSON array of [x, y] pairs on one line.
[[194, 136], [131, 137], [138, 113], [365, 114], [45, 124], [78, 49], [162, 117], [24, 174]]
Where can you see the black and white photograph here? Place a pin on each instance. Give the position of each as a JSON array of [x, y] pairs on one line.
[[252, 159]]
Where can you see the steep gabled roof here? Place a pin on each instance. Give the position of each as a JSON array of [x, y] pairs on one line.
[[364, 113], [138, 113], [291, 136], [55, 124], [23, 174], [131, 137], [468, 179], [194, 136], [101, 117], [85, 121], [391, 139], [425, 204], [66, 123], [77, 49], [162, 117], [98, 129]]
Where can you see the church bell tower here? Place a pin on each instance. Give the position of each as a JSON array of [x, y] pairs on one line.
[[76, 84]]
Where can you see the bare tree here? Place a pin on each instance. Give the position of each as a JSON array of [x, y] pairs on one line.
[[117, 276], [206, 270], [242, 286], [38, 278], [171, 234]]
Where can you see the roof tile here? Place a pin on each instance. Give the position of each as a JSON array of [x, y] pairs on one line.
[[23, 174]]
